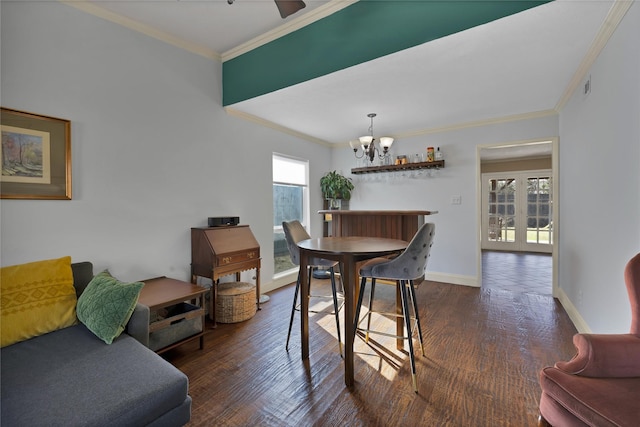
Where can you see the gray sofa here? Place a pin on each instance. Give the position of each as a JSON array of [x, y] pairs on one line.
[[72, 378]]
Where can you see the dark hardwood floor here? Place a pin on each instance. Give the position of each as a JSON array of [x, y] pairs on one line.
[[517, 271], [484, 349]]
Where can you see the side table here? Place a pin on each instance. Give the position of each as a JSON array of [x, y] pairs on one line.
[[184, 322]]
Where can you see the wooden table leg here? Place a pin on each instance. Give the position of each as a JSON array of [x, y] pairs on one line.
[[258, 287], [350, 284], [212, 302], [202, 302]]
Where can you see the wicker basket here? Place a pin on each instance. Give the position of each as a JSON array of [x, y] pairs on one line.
[[235, 302]]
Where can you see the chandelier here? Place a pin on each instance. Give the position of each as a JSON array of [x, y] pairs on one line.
[[367, 143]]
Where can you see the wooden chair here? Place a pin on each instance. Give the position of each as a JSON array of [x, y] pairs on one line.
[[404, 269], [495, 228], [294, 232]]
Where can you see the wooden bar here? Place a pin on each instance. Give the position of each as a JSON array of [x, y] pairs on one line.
[[392, 224]]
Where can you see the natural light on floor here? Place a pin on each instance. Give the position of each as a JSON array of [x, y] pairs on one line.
[[380, 353]]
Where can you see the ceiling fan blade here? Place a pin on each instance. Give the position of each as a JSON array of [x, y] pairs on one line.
[[289, 7]]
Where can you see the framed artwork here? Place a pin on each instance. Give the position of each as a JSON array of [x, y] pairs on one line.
[[36, 156]]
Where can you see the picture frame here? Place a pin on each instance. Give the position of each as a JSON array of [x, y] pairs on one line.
[[36, 156]]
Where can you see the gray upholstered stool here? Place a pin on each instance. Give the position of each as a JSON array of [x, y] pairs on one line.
[[294, 232], [404, 269]]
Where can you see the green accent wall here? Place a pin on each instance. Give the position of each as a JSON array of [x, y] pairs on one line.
[[356, 34]]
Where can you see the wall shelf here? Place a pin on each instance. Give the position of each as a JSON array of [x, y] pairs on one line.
[[438, 164]]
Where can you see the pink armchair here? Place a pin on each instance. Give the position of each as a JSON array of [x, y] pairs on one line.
[[600, 385]]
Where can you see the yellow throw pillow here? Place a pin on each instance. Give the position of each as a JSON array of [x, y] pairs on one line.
[[36, 298]]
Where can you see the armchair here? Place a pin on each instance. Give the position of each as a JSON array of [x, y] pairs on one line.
[[600, 385]]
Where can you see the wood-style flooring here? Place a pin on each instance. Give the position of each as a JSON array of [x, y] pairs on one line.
[[484, 348], [517, 271]]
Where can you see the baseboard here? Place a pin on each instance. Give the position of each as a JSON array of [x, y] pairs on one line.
[[573, 313], [455, 279], [279, 281]]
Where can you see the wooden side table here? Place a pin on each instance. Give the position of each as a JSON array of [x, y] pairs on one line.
[[163, 292]]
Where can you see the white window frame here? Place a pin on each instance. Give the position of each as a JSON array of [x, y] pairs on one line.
[[280, 180]]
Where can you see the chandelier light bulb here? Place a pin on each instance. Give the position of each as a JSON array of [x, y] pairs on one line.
[[385, 142], [368, 146]]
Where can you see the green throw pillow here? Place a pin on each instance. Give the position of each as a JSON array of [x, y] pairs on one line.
[[106, 305]]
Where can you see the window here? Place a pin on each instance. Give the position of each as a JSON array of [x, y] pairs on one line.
[[290, 202]]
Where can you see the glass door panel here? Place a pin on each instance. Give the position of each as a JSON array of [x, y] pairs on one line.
[[517, 212], [502, 208], [539, 210]]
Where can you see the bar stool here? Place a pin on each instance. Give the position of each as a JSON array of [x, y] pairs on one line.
[[404, 269], [294, 232]]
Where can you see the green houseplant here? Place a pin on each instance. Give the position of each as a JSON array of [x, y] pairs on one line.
[[336, 187]]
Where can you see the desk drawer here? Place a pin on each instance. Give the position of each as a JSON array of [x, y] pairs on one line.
[[233, 258]]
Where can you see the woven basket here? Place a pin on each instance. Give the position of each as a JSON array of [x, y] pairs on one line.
[[235, 302]]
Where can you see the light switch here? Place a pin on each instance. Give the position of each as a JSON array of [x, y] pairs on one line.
[[456, 200]]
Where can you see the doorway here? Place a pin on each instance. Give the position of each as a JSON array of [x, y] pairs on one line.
[[517, 218], [517, 211]]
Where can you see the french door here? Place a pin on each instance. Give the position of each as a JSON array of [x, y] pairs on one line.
[[517, 211]]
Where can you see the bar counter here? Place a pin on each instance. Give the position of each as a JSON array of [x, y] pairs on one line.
[[393, 224]]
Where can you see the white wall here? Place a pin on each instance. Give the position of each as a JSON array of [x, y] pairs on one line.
[[154, 153], [454, 258], [600, 184]]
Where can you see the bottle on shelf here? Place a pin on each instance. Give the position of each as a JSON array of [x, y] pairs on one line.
[[430, 154], [439, 155]]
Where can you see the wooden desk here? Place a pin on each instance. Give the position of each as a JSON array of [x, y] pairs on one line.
[[401, 225], [222, 251], [348, 251]]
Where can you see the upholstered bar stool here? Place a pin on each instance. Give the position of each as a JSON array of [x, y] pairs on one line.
[[294, 232], [404, 269]]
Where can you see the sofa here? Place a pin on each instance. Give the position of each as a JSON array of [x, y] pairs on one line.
[[71, 377], [600, 385]]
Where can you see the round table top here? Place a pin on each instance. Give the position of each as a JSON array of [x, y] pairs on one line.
[[353, 245]]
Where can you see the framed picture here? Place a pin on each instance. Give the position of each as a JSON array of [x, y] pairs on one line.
[[36, 156]]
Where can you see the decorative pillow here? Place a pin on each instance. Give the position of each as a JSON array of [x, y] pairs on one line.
[[36, 298], [106, 305]]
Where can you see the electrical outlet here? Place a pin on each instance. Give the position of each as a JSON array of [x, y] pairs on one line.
[[456, 200]]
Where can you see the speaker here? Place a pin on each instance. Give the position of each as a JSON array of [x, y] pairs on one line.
[[217, 221]]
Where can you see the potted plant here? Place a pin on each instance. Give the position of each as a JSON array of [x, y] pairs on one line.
[[336, 187]]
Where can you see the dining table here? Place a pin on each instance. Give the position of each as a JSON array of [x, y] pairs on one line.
[[348, 251]]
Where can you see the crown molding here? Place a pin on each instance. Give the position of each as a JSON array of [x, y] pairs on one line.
[[269, 124], [477, 123], [289, 27], [103, 13], [262, 122], [611, 22]]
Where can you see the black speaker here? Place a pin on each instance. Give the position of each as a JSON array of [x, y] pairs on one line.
[[218, 221]]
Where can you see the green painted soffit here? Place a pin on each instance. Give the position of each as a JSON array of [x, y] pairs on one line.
[[356, 34]]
